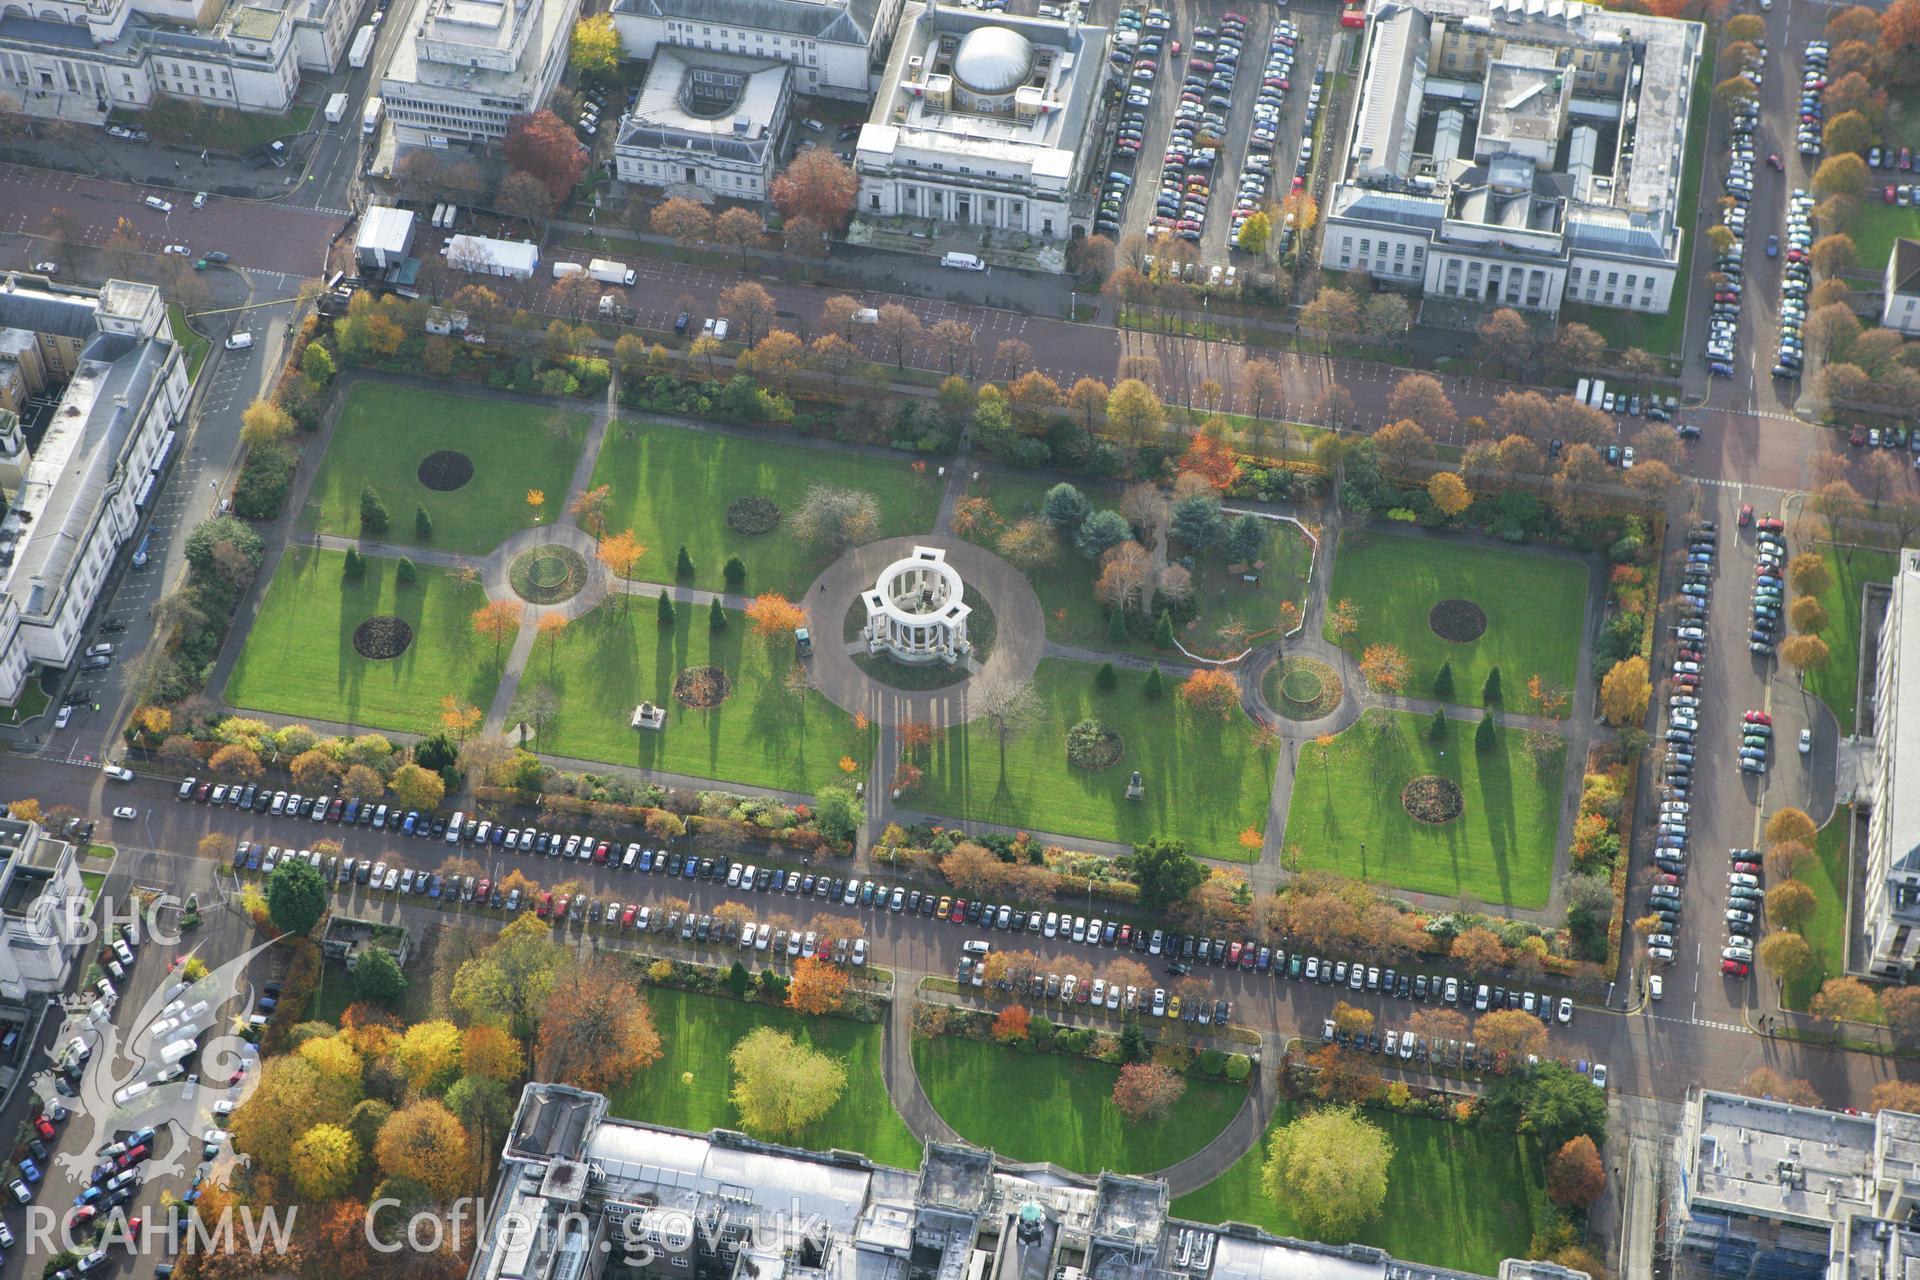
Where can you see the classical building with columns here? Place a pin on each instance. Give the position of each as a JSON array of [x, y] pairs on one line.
[[984, 120], [1517, 153]]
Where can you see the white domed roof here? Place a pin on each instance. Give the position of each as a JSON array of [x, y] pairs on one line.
[[993, 60]]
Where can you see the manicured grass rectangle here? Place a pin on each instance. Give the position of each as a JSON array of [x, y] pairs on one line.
[[1038, 1106], [1076, 616], [1826, 929], [190, 342], [1535, 607], [1207, 780], [1457, 1196], [1837, 684], [1347, 816], [699, 1031], [763, 734], [1877, 225], [385, 432], [299, 658], [672, 487]]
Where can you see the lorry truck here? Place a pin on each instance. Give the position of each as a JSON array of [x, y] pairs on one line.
[[607, 271], [336, 108], [362, 47], [370, 118]]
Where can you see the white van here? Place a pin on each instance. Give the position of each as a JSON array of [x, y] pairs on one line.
[[239, 341], [178, 1051], [439, 215], [867, 315], [962, 262], [561, 270]]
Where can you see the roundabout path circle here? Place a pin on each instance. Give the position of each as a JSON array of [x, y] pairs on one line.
[[495, 570], [1020, 631]]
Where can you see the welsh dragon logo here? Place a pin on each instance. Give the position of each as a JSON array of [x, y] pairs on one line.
[[139, 1079]]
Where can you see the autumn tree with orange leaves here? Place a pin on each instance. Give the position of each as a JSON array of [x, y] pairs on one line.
[[818, 986], [772, 614], [497, 620], [1210, 690], [1211, 458], [1012, 1024], [1386, 668], [596, 1031]]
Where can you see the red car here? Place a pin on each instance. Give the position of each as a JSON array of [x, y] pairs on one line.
[[483, 890], [1772, 524], [1233, 953], [1126, 936], [1734, 967], [1858, 436], [1886, 193], [545, 908], [959, 915], [1746, 514], [1666, 877], [1776, 162], [1747, 868], [1758, 717], [626, 917], [45, 1126], [560, 906], [600, 852]]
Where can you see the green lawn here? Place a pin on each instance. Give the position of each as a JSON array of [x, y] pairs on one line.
[[611, 660], [95, 881], [33, 701], [1878, 225], [1346, 814], [699, 1032], [1207, 780], [1836, 684], [192, 343], [1076, 616], [1037, 1106], [384, 433], [1535, 606], [672, 486], [1456, 1196], [299, 658], [1825, 931]]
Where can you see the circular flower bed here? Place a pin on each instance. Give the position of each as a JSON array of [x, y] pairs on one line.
[[381, 637], [1460, 621], [1091, 745], [1302, 688], [1432, 800], [547, 575], [446, 470], [702, 688], [753, 516]]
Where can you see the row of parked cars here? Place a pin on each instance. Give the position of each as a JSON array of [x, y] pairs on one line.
[[1135, 42], [1813, 110], [1796, 282], [1723, 318], [1769, 602], [1256, 177], [1671, 835], [1188, 168]]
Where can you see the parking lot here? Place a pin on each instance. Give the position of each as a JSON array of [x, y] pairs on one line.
[[1217, 102]]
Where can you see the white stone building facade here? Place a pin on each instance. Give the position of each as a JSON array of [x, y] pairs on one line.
[[984, 121], [1517, 153], [469, 67], [837, 48], [81, 59], [75, 503]]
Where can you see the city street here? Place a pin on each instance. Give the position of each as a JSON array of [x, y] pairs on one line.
[[1654, 1050]]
